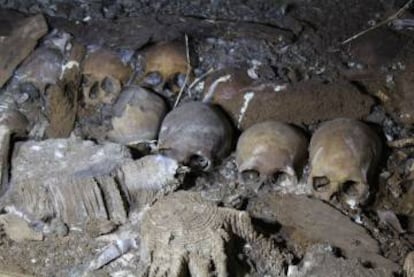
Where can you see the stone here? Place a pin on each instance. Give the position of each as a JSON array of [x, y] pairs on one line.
[[58, 158], [17, 229], [308, 221], [15, 47], [320, 261]]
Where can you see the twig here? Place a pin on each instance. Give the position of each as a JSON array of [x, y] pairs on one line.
[[180, 94], [401, 143], [392, 17], [212, 89], [199, 79]]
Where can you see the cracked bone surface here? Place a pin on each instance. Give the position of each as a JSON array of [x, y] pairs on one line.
[[196, 134], [183, 228], [269, 150], [343, 157]]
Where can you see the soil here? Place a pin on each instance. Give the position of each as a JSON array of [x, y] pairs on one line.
[[293, 42]]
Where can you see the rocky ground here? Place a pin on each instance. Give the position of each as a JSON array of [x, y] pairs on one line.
[[88, 177]]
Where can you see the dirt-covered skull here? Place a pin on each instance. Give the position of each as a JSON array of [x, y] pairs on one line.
[[42, 68], [137, 116], [195, 134], [165, 65], [104, 73], [272, 152], [343, 156]]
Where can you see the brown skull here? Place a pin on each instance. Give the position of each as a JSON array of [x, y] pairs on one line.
[[343, 155], [195, 134], [104, 73], [165, 65], [271, 151], [137, 116]]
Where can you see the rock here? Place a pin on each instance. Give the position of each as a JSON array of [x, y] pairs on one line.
[[146, 179], [320, 261], [308, 221], [17, 229], [395, 90], [402, 99], [116, 33], [19, 43], [59, 158], [302, 103], [11, 272], [377, 48]]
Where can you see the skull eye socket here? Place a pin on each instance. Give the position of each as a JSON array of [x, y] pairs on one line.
[[320, 183], [179, 80], [109, 86], [351, 188], [152, 79], [199, 162], [94, 91], [250, 176]]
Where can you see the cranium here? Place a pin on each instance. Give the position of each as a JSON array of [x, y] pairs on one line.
[[270, 150], [104, 73], [195, 134], [42, 68], [343, 155], [165, 65], [137, 116]]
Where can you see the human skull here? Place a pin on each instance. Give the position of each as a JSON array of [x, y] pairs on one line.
[[137, 116], [270, 151], [42, 68], [165, 65], [343, 154], [103, 75], [195, 134]]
